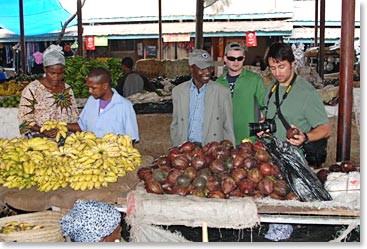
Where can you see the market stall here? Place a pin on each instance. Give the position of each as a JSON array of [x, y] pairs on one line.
[[32, 200], [148, 214]]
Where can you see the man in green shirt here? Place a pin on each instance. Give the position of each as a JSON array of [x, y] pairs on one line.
[[247, 89], [302, 107]]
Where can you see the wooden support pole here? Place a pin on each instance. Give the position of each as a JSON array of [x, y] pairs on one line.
[[80, 28], [346, 81], [22, 38], [322, 39], [204, 229]]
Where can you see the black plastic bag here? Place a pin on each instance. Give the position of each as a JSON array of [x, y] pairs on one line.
[[295, 170], [316, 152]]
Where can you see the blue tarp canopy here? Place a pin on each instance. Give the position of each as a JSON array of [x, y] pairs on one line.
[[40, 16]]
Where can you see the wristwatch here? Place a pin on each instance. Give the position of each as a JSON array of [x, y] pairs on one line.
[[307, 139]]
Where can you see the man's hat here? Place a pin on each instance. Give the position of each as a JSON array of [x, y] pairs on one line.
[[234, 46], [201, 59]]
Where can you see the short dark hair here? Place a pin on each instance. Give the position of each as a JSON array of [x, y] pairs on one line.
[[280, 52], [128, 61], [102, 74]]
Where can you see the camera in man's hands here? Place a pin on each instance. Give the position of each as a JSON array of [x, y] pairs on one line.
[[268, 126]]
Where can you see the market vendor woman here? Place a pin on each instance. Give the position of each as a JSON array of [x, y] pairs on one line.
[[48, 98]]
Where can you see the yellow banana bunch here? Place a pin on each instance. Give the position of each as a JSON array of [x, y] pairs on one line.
[[125, 141], [54, 124], [18, 181], [17, 168], [80, 140], [49, 125], [110, 137], [38, 144], [54, 173], [16, 226], [84, 162], [4, 144]]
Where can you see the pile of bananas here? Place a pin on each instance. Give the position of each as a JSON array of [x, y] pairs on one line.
[[10, 101], [15, 226], [100, 160], [12, 87], [19, 159], [62, 130], [84, 162]]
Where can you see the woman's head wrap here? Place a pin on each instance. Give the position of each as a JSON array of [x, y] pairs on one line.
[[53, 55], [90, 221]]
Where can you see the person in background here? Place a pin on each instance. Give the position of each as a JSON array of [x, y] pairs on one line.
[[48, 98], [258, 62], [106, 111], [202, 108], [132, 82], [247, 90], [91, 221]]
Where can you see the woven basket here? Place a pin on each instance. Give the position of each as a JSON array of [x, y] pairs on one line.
[[49, 220]]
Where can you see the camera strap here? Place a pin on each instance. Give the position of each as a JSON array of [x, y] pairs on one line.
[[278, 104], [279, 112]]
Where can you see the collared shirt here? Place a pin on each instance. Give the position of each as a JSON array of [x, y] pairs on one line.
[[118, 117], [196, 113]]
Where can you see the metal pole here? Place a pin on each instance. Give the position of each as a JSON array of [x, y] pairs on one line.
[[22, 39], [346, 81], [160, 29], [199, 40], [316, 21], [322, 39], [80, 27]]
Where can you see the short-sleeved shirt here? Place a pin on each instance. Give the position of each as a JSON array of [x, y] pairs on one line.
[[39, 104], [302, 107]]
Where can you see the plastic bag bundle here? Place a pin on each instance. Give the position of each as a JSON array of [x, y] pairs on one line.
[[295, 170]]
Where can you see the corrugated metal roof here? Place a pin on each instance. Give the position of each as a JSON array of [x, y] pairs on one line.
[[218, 17], [262, 27], [300, 13], [307, 35], [151, 30]]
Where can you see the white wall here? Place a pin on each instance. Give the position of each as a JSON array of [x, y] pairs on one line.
[[9, 123]]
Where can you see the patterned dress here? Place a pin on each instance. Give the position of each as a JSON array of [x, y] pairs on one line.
[[39, 104]]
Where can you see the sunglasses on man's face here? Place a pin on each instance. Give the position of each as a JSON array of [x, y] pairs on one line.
[[231, 58]]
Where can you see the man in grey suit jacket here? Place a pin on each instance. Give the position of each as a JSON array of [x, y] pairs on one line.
[[202, 108]]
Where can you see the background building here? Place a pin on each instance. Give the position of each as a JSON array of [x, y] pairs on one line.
[[113, 28]]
